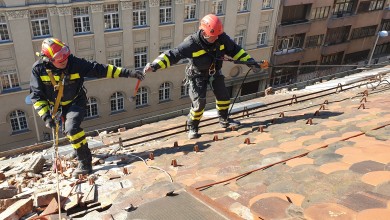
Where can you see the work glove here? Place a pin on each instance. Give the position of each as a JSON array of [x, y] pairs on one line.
[[137, 74], [149, 67], [256, 68], [49, 123]]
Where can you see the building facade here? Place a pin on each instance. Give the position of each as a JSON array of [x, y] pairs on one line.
[[126, 33], [327, 32]]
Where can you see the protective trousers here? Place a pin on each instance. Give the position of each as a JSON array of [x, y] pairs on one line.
[[74, 114], [197, 91]]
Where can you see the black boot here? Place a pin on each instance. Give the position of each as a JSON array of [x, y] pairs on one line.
[[193, 132], [193, 129], [224, 123], [84, 158]]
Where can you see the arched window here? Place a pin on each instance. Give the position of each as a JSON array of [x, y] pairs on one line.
[[92, 107], [18, 121], [164, 92], [117, 102], [142, 97]]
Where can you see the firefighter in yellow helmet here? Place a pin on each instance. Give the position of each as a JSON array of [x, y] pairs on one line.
[[58, 64]]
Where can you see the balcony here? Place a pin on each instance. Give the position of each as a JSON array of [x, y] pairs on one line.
[[332, 49], [288, 55], [297, 2], [386, 13], [346, 20], [296, 28]]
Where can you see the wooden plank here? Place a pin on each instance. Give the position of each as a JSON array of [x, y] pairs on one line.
[[18, 209], [90, 196]]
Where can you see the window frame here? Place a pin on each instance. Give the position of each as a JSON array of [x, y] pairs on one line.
[[166, 12], [114, 23], [40, 26], [218, 7], [140, 57], [262, 35], [142, 97], [83, 18], [164, 92], [239, 38], [117, 100], [184, 90], [115, 59], [267, 4], [18, 121], [13, 80], [190, 9], [140, 12], [4, 33], [243, 5], [92, 107]]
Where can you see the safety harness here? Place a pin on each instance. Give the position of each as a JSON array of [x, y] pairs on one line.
[[57, 87]]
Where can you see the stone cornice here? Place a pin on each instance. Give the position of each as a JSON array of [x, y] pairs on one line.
[[19, 14]]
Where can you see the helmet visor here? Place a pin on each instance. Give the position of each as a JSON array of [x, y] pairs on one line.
[[61, 55]]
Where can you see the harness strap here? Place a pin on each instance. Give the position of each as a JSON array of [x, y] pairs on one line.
[[59, 87]]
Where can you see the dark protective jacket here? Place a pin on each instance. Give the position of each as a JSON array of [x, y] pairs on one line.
[[201, 54], [42, 91]]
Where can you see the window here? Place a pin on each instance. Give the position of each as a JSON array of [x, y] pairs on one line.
[[217, 7], [39, 23], [295, 14], [140, 57], [319, 13], [262, 36], [284, 75], [267, 4], [9, 79], [117, 102], [356, 57], [308, 67], [92, 107], [3, 29], [185, 90], [332, 59], [239, 38], [165, 11], [142, 97], [18, 121], [314, 41], [164, 92], [139, 13], [382, 49], [115, 59], [164, 47], [243, 5], [337, 35], [290, 42], [111, 17], [376, 5], [343, 7], [385, 25], [81, 20], [190, 10], [363, 32]]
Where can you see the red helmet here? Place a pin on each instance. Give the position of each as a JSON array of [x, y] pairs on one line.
[[55, 50], [211, 25]]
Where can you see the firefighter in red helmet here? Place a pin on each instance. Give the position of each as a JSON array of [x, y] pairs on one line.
[[57, 64], [204, 50]]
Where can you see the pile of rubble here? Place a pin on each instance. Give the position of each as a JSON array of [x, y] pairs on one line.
[[28, 184]]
